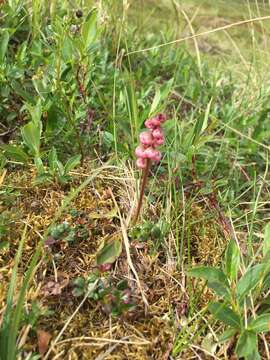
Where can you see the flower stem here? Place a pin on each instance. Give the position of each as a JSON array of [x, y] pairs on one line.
[[144, 181]]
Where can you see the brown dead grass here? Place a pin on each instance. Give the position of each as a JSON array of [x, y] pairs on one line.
[[92, 334]]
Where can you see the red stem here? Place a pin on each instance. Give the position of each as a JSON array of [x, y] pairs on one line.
[[144, 181]]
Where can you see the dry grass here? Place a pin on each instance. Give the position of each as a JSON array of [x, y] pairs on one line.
[[92, 333]]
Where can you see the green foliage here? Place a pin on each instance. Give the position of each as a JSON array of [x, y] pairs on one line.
[[115, 299], [216, 279], [236, 294], [232, 260], [109, 251], [68, 232], [151, 233]]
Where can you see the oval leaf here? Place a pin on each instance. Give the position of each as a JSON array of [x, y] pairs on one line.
[[216, 279], [247, 345], [266, 241], [225, 314], [250, 280], [31, 136], [260, 324], [110, 251], [232, 260]]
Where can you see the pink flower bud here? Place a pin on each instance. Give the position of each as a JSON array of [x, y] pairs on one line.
[[141, 163], [151, 153], [161, 117], [150, 124], [157, 157], [153, 122], [140, 151], [158, 133], [146, 138], [104, 267], [158, 142]]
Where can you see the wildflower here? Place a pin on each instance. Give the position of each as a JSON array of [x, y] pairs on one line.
[[149, 140], [147, 152]]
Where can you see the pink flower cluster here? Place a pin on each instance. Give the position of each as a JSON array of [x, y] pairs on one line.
[[150, 140]]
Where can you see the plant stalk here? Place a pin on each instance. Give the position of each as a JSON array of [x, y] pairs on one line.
[[144, 181]]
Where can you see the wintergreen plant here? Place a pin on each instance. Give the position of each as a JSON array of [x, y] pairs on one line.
[[240, 305], [147, 151]]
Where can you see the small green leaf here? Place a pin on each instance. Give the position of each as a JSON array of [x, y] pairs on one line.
[[35, 111], [31, 133], [39, 165], [209, 344], [232, 260], [247, 345], [201, 124], [15, 153], [110, 251], [52, 159], [4, 40], [78, 291], [72, 163], [225, 314], [250, 280], [260, 324], [89, 29], [79, 281], [266, 241], [228, 334], [4, 245], [216, 279], [60, 168], [43, 178]]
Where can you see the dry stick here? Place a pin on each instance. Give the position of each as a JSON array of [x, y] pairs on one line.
[[144, 181], [238, 23]]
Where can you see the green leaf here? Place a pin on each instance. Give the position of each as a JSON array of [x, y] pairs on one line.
[[72, 163], [201, 124], [7, 335], [209, 344], [216, 279], [4, 44], [232, 260], [35, 111], [260, 324], [161, 95], [266, 241], [89, 29], [31, 133], [4, 245], [14, 152], [225, 314], [250, 280], [39, 165], [247, 345], [110, 251], [43, 178], [60, 168], [227, 335], [155, 101], [52, 159]]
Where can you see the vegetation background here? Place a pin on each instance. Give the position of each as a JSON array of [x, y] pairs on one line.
[[80, 280]]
